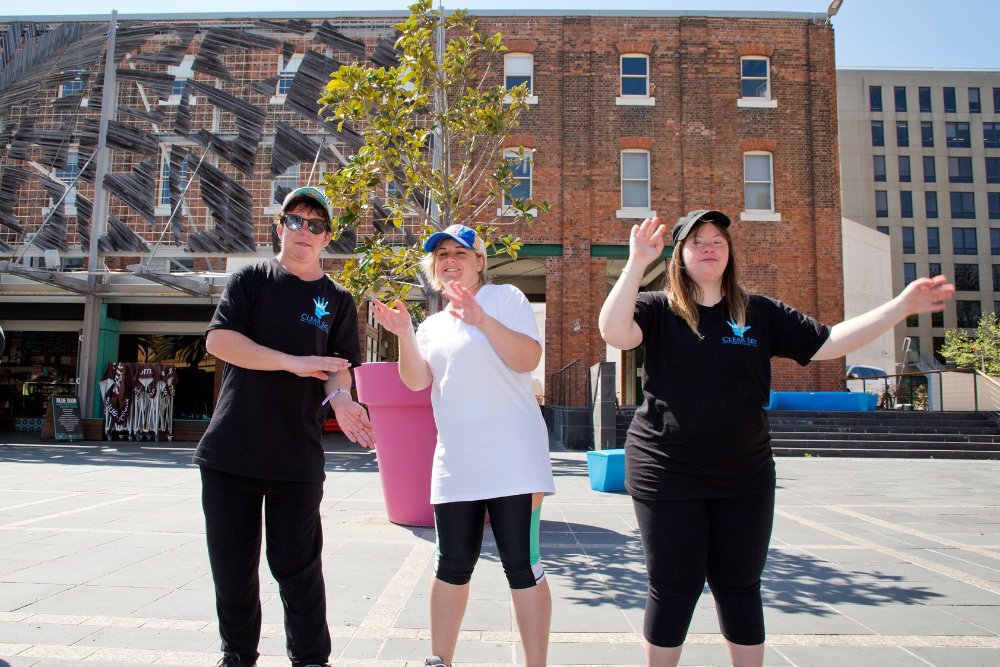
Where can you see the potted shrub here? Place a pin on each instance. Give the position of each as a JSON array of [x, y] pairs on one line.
[[427, 128]]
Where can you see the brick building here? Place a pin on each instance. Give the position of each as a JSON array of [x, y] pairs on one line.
[[631, 114]]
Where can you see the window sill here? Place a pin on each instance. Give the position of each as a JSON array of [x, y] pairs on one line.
[[634, 213], [512, 212], [635, 101], [166, 210], [175, 100], [757, 103], [529, 100], [277, 100], [760, 216], [69, 210]]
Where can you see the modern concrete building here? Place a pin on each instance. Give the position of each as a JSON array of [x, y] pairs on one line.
[[631, 114], [920, 162]]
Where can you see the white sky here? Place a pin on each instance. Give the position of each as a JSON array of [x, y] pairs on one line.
[[922, 34]]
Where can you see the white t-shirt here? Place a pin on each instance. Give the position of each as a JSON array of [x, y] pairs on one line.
[[492, 441]]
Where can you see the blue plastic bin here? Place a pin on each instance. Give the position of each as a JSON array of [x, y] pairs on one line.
[[825, 401], [606, 469]]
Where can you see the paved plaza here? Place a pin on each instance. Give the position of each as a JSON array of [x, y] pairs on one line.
[[873, 562]]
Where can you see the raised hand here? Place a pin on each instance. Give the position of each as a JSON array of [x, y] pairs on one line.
[[397, 319], [464, 305], [927, 295], [645, 243]]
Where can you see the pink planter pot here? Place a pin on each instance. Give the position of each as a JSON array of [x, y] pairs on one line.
[[405, 435]]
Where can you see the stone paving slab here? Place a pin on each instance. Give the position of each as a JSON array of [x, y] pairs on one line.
[[873, 562]]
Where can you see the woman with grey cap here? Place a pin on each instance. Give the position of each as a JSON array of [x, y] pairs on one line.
[[289, 337], [477, 356], [699, 466]]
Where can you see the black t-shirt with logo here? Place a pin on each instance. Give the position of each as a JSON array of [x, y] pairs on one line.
[[268, 424], [701, 431]]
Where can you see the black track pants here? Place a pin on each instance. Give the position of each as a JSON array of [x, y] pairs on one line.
[[232, 506]]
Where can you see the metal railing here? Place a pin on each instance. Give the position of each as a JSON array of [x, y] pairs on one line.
[[953, 389], [566, 387]]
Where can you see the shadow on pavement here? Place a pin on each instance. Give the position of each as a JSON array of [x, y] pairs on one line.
[[798, 583]]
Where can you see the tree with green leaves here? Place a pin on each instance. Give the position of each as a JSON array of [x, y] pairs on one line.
[[433, 130], [981, 351]]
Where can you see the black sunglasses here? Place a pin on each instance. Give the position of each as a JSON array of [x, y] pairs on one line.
[[293, 223]]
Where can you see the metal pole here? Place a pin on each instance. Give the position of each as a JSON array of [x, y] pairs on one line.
[[975, 387], [91, 332]]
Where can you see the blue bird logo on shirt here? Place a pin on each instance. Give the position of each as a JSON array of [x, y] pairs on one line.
[[321, 305], [737, 329]]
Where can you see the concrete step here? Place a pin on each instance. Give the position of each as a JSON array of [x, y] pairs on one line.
[[836, 443], [874, 433], [877, 415], [887, 453], [879, 434], [888, 424]]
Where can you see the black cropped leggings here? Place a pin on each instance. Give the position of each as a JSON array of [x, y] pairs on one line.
[[721, 540], [460, 528]]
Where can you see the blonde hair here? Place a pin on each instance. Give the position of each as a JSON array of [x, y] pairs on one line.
[[428, 264], [683, 293]]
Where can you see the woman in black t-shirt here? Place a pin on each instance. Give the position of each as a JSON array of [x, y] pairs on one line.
[[698, 459]]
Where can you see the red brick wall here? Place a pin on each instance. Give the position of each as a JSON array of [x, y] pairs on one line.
[[697, 135]]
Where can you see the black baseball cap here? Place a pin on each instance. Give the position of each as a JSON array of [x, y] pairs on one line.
[[688, 221]]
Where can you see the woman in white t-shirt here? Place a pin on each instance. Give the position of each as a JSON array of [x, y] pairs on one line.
[[492, 451]]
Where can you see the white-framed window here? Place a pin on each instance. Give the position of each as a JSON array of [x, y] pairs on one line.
[[72, 87], [289, 180], [635, 85], [519, 68], [286, 74], [521, 161], [163, 206], [755, 82], [758, 187], [181, 74], [68, 176], [635, 185]]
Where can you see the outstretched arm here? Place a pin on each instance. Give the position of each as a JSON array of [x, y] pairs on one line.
[[924, 295], [616, 321]]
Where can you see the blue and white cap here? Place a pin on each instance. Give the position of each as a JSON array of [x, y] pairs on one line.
[[464, 236]]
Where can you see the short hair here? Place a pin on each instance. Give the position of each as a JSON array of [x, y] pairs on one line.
[[307, 203]]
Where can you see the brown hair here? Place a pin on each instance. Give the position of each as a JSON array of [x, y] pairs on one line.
[[305, 202], [683, 293]]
